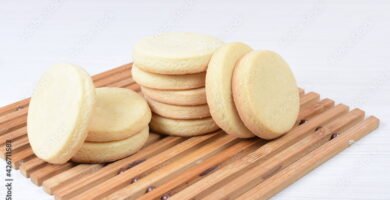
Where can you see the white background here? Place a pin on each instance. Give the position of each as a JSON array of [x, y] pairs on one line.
[[340, 49]]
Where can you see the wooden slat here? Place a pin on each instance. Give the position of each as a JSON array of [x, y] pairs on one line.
[[113, 169], [200, 170], [14, 107], [301, 91], [13, 135], [309, 98], [13, 124], [308, 112], [35, 163], [126, 177], [289, 175], [166, 172], [17, 145], [165, 189], [21, 156], [112, 71], [123, 83], [314, 109], [29, 166], [48, 171], [134, 87], [281, 160], [262, 153], [54, 183], [27, 154], [114, 78], [153, 137], [12, 115], [79, 171]]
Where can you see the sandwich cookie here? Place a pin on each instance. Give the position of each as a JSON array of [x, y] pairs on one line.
[[101, 152], [175, 53], [182, 127], [119, 113], [179, 112], [190, 97], [219, 89], [59, 113], [168, 82], [265, 94]]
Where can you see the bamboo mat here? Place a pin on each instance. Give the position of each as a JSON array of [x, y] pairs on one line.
[[214, 166]]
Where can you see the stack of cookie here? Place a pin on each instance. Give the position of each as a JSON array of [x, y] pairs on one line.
[[170, 68], [118, 127], [69, 119], [251, 93]]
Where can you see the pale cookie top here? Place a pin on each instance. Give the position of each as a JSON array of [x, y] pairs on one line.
[[266, 94], [59, 113], [175, 53], [119, 113]]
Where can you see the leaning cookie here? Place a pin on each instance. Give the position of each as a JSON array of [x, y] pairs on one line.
[[182, 127], [119, 113], [189, 97], [175, 53], [59, 113], [265, 94], [168, 82], [179, 112], [219, 89], [102, 152]]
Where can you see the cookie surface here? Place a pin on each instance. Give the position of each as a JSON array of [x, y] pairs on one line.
[[101, 152], [179, 112], [119, 113], [59, 113], [175, 53], [189, 97], [219, 89], [182, 127], [168, 82], [265, 94]]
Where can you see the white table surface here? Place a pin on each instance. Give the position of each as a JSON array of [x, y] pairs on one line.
[[340, 49]]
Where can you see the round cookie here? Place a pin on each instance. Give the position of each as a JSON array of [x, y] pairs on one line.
[[101, 152], [179, 112], [119, 113], [183, 127], [265, 94], [59, 113], [168, 82], [219, 89], [175, 53], [190, 97]]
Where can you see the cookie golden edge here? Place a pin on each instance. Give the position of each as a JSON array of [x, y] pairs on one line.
[[239, 85], [97, 134], [102, 152], [80, 131], [168, 82], [219, 89], [175, 62], [190, 97], [182, 127], [179, 112]]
